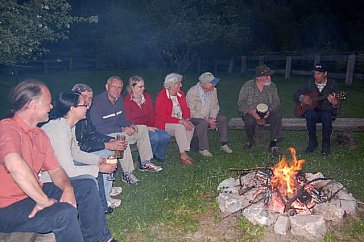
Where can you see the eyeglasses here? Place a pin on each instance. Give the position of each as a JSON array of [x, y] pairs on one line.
[[81, 105]]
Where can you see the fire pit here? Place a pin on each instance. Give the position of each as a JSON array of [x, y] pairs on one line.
[[287, 198]]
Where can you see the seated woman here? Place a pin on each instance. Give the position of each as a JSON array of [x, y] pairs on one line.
[[139, 110], [70, 107], [172, 114]]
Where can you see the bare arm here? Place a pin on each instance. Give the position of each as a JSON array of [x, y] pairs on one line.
[[26, 180], [61, 180]]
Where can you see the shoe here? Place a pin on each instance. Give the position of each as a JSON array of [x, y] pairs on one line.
[[114, 203], [129, 178], [274, 148], [109, 210], [149, 166], [205, 153], [186, 161], [311, 148], [116, 191], [248, 146], [226, 149], [325, 149]]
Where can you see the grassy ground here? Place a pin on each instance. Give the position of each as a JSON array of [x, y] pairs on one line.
[[169, 205]]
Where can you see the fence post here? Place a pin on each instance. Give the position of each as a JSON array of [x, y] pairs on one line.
[[45, 67], [243, 65], [231, 65], [288, 67], [261, 60], [70, 64], [317, 59], [350, 70]]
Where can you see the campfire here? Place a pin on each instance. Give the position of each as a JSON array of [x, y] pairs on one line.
[[284, 193]]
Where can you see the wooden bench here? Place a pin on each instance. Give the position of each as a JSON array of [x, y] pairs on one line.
[[340, 124]]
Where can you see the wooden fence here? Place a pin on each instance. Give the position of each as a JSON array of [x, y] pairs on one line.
[[351, 61]]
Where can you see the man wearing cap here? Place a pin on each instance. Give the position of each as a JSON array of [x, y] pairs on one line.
[[261, 90], [324, 112], [204, 105]]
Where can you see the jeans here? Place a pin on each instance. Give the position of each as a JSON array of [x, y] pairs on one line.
[[106, 179], [159, 141], [320, 116], [61, 218]]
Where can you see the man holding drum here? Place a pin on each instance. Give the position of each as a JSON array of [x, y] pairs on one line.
[[259, 104]]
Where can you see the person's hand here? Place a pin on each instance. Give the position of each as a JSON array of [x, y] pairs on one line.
[[68, 196], [333, 100], [306, 100], [253, 113], [116, 144], [212, 123], [130, 130], [267, 114], [152, 129], [40, 206], [107, 168], [187, 123]]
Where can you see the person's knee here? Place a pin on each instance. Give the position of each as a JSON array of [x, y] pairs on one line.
[[65, 214]]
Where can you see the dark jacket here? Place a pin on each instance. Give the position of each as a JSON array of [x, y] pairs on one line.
[[88, 138], [310, 87]]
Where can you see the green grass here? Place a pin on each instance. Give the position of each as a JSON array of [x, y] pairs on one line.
[[169, 205]]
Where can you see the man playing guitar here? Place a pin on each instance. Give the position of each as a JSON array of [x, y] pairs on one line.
[[323, 111]]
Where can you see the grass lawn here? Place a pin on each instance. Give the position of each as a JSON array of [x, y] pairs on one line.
[[168, 206]]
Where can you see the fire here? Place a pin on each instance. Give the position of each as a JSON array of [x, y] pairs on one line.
[[284, 173]]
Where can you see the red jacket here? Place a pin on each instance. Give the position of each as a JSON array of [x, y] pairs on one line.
[[164, 106], [139, 115]]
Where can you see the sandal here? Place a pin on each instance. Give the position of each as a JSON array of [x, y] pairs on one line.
[[186, 161]]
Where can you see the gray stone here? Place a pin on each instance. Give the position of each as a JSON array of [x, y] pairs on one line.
[[311, 227], [330, 212], [229, 185], [229, 203], [281, 225], [258, 214], [349, 206]]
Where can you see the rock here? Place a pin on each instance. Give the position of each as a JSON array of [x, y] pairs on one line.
[[312, 227], [330, 212], [230, 185], [258, 214], [281, 225], [349, 206], [229, 203]]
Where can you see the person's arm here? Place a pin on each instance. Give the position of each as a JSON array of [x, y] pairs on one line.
[[243, 102], [61, 180], [215, 108], [162, 110], [28, 183]]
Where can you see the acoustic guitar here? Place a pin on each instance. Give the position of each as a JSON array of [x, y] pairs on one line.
[[316, 98]]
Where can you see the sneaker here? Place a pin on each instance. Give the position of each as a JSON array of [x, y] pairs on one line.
[[109, 210], [274, 148], [149, 166], [129, 178], [114, 203], [226, 149], [205, 153], [116, 191]]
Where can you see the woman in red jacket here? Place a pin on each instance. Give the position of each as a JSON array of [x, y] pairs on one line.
[[172, 114], [139, 110]]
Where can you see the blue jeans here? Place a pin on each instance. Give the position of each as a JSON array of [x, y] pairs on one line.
[[60, 218], [159, 141]]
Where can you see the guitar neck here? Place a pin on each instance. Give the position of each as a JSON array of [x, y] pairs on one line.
[[320, 98]]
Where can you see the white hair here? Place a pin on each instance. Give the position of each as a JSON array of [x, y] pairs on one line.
[[172, 79]]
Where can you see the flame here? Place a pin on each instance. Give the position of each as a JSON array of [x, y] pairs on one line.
[[284, 173]]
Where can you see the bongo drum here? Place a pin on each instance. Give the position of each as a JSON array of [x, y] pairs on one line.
[[261, 110]]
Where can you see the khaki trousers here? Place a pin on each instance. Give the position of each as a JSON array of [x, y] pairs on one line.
[[182, 135]]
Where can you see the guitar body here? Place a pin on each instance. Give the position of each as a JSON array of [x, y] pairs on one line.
[[316, 98], [300, 108]]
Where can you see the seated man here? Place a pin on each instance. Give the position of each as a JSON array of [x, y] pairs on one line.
[[324, 111], [204, 106], [70, 209], [107, 114], [261, 90], [91, 140]]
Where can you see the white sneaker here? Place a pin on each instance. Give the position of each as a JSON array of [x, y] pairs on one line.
[[116, 191], [205, 153], [114, 203], [226, 149]]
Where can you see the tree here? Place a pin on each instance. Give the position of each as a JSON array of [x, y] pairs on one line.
[[26, 26]]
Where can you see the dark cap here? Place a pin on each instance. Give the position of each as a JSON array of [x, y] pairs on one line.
[[263, 70], [320, 68], [80, 87]]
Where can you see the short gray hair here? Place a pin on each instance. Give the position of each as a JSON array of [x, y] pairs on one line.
[[108, 81], [172, 79]]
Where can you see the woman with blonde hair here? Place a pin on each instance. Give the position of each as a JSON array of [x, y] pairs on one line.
[[139, 110]]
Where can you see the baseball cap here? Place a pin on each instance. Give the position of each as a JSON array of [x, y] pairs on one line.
[[207, 77], [263, 70], [320, 68], [80, 87]]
